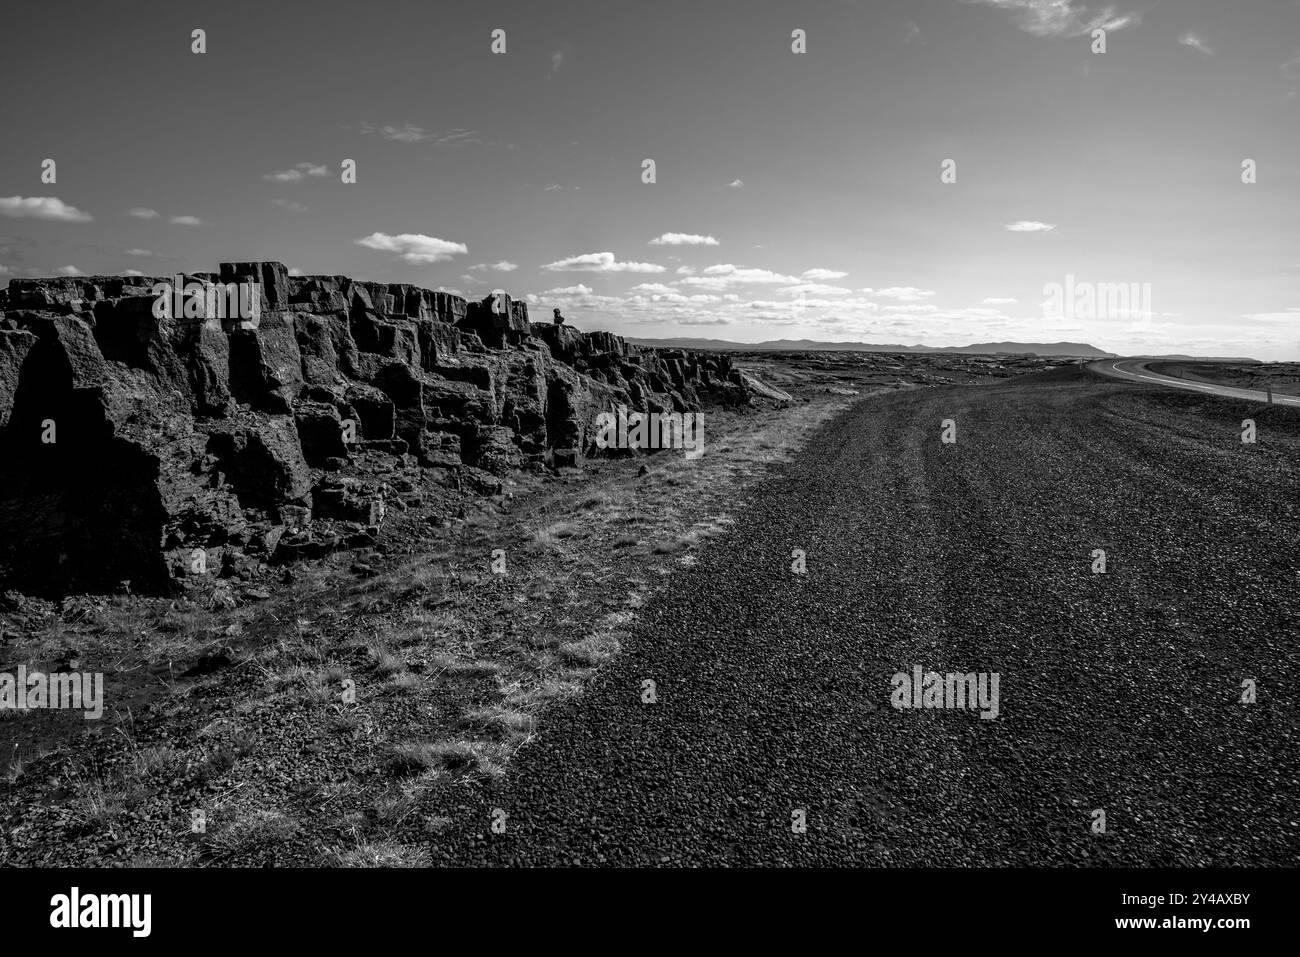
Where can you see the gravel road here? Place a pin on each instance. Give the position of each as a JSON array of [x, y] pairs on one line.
[[1119, 692]]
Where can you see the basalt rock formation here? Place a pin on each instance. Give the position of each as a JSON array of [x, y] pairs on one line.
[[134, 448]]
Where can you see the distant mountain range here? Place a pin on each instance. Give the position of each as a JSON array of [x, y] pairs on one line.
[[1076, 349], [1072, 349]]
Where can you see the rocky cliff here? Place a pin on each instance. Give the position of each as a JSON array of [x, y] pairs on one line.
[[135, 448]]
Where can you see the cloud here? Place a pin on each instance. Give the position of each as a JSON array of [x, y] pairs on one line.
[[407, 133], [1061, 18], [42, 207], [736, 183], [4, 270], [138, 252], [912, 33], [999, 301], [68, 271], [690, 270], [817, 275], [1030, 226], [804, 289], [725, 275], [457, 137], [599, 262], [579, 290], [132, 272], [1190, 39], [1289, 316], [501, 266], [291, 205], [186, 221], [901, 293], [297, 173], [414, 247], [557, 61], [683, 239], [410, 133], [141, 212], [1291, 68], [553, 187], [656, 288]]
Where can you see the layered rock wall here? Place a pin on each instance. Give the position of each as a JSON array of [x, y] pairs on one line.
[[128, 442]]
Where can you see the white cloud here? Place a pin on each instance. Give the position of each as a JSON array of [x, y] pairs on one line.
[[68, 271], [900, 293], [1062, 18], [599, 262], [1288, 316], [1291, 68], [553, 187], [817, 275], [816, 289], [501, 266], [141, 212], [656, 288], [291, 205], [579, 290], [1030, 226], [138, 252], [723, 275], [295, 271], [1190, 39], [414, 247], [690, 270], [736, 183], [42, 207], [557, 61], [186, 221], [999, 301], [683, 239], [297, 173], [4, 270], [132, 272]]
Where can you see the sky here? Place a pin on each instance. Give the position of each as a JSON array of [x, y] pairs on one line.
[[795, 194]]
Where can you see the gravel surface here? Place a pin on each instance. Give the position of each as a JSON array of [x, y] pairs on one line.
[[1119, 691]]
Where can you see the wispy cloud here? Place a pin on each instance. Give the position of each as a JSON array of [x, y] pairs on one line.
[[502, 266], [138, 252], [1030, 226], [557, 61], [414, 247], [1062, 18], [912, 33], [999, 301], [42, 207], [605, 262], [297, 173], [736, 183], [1196, 42], [410, 133], [291, 205], [901, 293], [683, 239], [185, 221], [142, 212], [68, 271], [818, 275]]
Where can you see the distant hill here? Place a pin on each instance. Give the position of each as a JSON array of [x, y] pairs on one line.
[[1078, 349]]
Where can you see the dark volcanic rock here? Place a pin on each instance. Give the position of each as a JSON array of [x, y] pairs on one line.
[[131, 442]]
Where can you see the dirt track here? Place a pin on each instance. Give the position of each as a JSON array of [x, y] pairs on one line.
[[1118, 691]]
